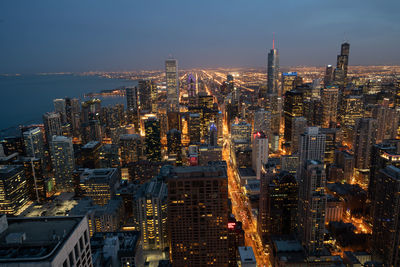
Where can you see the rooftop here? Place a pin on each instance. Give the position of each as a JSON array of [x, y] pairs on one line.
[[247, 255], [199, 171], [91, 145], [27, 239]]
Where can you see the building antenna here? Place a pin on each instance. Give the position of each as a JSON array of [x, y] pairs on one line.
[[273, 40]]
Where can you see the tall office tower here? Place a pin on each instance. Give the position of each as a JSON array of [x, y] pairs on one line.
[[174, 120], [150, 206], [273, 71], [299, 126], [382, 154], [60, 107], [132, 98], [205, 100], [329, 99], [340, 74], [47, 241], [73, 110], [262, 122], [198, 216], [332, 141], [98, 184], [62, 158], [213, 135], [328, 79], [154, 98], [386, 224], [13, 188], [172, 81], [364, 138], [259, 155], [174, 142], [280, 208], [312, 147], [145, 89], [52, 125], [312, 206], [352, 108], [90, 155], [13, 144], [387, 121], [152, 139], [34, 146], [288, 81], [194, 125], [241, 132], [235, 240], [293, 108], [192, 90], [130, 149], [34, 178], [91, 128]]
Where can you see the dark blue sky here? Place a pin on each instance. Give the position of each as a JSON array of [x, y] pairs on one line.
[[114, 35]]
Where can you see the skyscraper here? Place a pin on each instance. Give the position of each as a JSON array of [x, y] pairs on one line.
[[131, 148], [293, 108], [91, 128], [340, 73], [192, 89], [262, 122], [329, 99], [259, 152], [288, 81], [312, 147], [62, 158], [132, 98], [172, 81], [60, 107], [34, 146], [145, 91], [328, 75], [364, 139], [151, 214], [312, 206], [194, 128], [273, 70], [174, 142], [52, 125], [152, 139], [386, 224], [13, 188], [198, 216]]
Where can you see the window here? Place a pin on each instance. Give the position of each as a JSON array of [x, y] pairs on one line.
[[76, 251], [85, 235], [71, 259]]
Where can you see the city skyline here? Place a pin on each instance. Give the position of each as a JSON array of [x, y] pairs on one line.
[[63, 38]]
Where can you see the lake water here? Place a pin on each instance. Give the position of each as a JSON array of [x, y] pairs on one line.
[[24, 99]]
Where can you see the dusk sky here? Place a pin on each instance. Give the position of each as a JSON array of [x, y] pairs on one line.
[[83, 35]]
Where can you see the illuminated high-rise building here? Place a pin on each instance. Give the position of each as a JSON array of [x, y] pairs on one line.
[[329, 100], [241, 132], [62, 158], [33, 139], [89, 156], [273, 70], [130, 148], [35, 180], [364, 138], [340, 73], [387, 121], [259, 152], [328, 79], [299, 125], [312, 147], [60, 107], [73, 109], [278, 205], [174, 142], [152, 139], [132, 98], [352, 108], [198, 233], [91, 128], [145, 90], [150, 209], [13, 188], [386, 224], [213, 135], [194, 128], [172, 81], [293, 108], [52, 125], [99, 185], [312, 206], [288, 81], [192, 90], [262, 122]]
